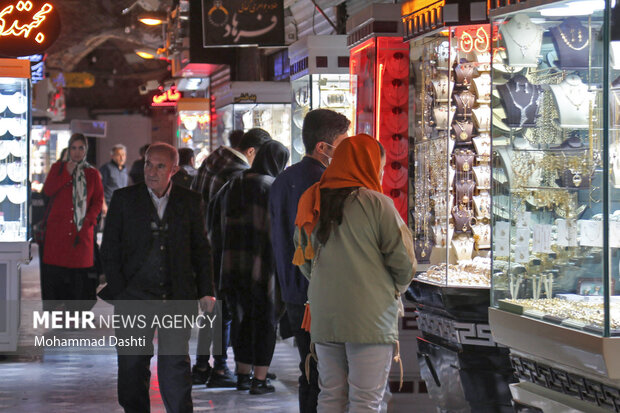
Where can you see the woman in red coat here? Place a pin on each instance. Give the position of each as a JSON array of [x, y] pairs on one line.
[[76, 195]]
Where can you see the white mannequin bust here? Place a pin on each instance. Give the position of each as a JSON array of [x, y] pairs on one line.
[[482, 118], [523, 40], [482, 87], [443, 89], [443, 117], [573, 102], [463, 246]]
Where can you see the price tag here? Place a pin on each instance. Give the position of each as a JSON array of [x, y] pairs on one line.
[[541, 238], [590, 233], [567, 233], [501, 238]]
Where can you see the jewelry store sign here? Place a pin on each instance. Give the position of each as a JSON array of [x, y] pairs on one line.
[[233, 23], [27, 27]]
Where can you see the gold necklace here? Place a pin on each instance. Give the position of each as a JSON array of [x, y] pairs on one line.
[[463, 135], [567, 92], [568, 43]]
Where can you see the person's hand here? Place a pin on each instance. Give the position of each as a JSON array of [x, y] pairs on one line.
[[71, 166], [207, 303], [104, 208]]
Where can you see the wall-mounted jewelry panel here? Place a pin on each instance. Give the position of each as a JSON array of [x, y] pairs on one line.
[[548, 75], [451, 181]]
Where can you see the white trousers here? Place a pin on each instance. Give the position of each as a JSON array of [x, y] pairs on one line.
[[352, 376]]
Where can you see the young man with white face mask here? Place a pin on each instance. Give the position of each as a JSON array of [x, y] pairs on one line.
[[322, 131]]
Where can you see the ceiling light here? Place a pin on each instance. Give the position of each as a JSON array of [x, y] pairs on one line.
[[575, 8], [152, 19], [146, 53]]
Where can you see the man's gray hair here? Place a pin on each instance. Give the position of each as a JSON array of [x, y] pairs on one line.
[[117, 147], [164, 148]]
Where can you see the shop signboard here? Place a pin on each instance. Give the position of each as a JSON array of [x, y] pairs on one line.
[[27, 27], [233, 23]]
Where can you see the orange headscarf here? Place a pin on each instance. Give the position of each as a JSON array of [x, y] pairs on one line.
[[356, 163]]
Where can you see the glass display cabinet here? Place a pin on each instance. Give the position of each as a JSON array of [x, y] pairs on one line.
[[449, 208], [556, 202], [319, 79], [380, 87], [247, 105], [194, 126], [15, 113]]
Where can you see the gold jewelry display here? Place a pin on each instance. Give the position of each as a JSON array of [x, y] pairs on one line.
[[463, 246], [482, 87], [482, 174], [482, 144], [571, 43]]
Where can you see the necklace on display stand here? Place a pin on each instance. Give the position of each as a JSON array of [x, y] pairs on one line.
[[522, 108], [529, 35], [573, 89], [572, 33]]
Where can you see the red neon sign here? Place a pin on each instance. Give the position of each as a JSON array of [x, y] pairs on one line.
[[167, 98], [27, 26], [474, 38], [17, 30]]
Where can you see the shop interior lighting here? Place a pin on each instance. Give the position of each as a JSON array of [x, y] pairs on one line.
[[576, 8]]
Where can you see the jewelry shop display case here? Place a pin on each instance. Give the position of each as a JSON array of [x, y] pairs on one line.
[[556, 205], [450, 205], [319, 71], [15, 125], [194, 126], [380, 87], [247, 105]]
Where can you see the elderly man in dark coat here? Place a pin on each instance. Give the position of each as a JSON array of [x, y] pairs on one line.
[[155, 251]]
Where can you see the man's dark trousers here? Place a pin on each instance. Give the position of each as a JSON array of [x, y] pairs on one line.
[[173, 362], [219, 335], [308, 391]]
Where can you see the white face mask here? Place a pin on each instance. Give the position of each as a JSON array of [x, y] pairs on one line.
[[329, 158]]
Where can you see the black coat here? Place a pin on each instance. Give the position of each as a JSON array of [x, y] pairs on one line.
[[127, 239]]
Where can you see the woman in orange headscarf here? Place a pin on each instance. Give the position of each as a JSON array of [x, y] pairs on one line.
[[357, 252]]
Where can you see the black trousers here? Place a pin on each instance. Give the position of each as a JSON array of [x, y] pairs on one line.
[[308, 390], [173, 362], [253, 333], [72, 288]]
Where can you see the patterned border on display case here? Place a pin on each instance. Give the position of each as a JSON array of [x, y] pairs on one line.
[[571, 384], [473, 334]]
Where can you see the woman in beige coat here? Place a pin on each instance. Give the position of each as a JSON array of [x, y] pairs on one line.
[[357, 252]]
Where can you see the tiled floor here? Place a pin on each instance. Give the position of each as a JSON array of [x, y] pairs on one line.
[[86, 383]]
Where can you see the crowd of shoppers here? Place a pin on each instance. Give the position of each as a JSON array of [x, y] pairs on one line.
[[271, 245]]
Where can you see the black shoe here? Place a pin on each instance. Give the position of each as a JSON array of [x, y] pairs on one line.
[[271, 376], [200, 374], [261, 387], [226, 379], [244, 381]]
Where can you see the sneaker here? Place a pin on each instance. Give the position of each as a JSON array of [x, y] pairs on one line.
[[200, 374], [261, 386], [271, 376], [225, 379], [244, 381]]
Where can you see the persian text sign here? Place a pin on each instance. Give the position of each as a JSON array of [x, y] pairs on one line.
[[242, 23], [27, 27]]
